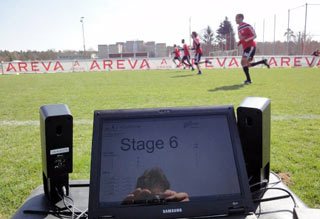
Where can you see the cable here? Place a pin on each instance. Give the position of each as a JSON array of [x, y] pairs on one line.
[[79, 210], [64, 202], [270, 199], [274, 198], [60, 211], [276, 175], [265, 181], [72, 204], [259, 211], [83, 213], [297, 7], [277, 197], [294, 201], [80, 185]]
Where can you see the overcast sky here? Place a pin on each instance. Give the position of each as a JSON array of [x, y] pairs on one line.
[[55, 24]]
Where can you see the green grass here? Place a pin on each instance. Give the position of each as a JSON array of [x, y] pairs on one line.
[[294, 92]]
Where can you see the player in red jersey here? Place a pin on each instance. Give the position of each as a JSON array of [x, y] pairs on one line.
[[186, 55], [198, 52], [177, 55], [246, 36]]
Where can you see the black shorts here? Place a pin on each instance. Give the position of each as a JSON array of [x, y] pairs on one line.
[[197, 58], [186, 58], [249, 53], [177, 58]]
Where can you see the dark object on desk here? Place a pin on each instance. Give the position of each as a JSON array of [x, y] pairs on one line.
[[56, 124], [38, 206], [280, 208], [254, 118]]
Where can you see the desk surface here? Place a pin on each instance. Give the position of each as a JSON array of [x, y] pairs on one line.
[[276, 209]]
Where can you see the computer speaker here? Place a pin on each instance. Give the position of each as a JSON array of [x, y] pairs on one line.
[[56, 130], [254, 120]]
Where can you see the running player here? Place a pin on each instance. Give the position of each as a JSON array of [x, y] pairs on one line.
[[177, 55], [198, 52], [186, 55], [246, 36]]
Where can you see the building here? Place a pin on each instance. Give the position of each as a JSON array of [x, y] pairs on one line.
[[103, 51], [114, 49], [129, 47], [137, 48], [161, 50], [121, 46], [150, 48]]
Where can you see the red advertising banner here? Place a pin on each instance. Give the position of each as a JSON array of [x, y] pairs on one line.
[[146, 64]]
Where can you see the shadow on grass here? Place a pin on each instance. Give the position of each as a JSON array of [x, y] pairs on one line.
[[183, 76], [226, 88]]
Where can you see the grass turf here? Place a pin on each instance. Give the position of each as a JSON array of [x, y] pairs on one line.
[[294, 95]]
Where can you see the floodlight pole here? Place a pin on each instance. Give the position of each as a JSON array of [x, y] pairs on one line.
[[274, 35], [263, 37], [305, 29], [305, 25], [84, 44], [288, 34]]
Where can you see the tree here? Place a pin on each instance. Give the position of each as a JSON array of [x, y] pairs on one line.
[[289, 34], [225, 35], [208, 36]]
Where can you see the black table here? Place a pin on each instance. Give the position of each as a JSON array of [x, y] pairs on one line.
[[276, 209]]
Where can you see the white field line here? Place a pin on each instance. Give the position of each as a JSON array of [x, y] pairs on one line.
[[90, 122], [36, 122], [291, 117]]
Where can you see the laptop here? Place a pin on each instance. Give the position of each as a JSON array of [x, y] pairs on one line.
[[167, 163]]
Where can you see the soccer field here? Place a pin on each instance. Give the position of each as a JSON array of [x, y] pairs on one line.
[[295, 107]]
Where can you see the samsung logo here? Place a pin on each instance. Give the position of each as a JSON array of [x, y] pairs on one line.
[[173, 210]]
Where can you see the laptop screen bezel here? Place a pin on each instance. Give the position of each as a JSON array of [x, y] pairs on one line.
[[187, 209]]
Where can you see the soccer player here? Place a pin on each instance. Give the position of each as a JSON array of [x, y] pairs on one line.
[[186, 55], [246, 36], [316, 53], [177, 55], [198, 52]]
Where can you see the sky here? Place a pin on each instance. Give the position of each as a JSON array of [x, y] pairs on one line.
[[55, 24]]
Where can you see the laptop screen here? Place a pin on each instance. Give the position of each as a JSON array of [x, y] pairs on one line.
[[175, 157]]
